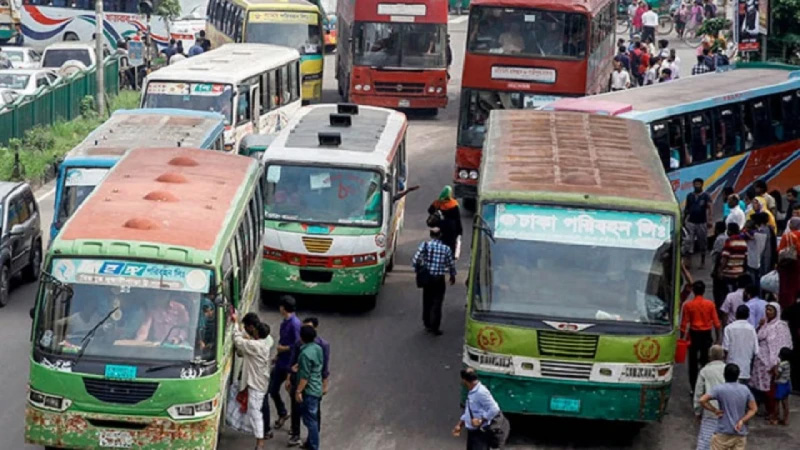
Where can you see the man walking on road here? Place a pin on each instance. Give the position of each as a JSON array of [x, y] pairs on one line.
[[291, 382], [713, 374], [309, 383], [740, 342], [699, 317], [289, 335], [697, 216], [437, 258], [736, 407], [757, 306], [649, 24], [700, 67], [479, 412], [620, 79]]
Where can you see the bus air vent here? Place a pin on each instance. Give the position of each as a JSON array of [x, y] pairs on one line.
[[566, 370], [122, 392], [347, 108], [568, 345], [171, 177], [161, 196], [341, 120], [317, 245], [329, 139], [141, 224], [182, 161]]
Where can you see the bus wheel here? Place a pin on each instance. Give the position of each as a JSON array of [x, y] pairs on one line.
[[70, 36], [470, 204]]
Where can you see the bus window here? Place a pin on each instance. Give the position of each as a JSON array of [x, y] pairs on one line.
[[699, 137], [237, 32], [243, 105], [757, 123], [790, 110], [677, 144], [660, 135], [779, 119], [286, 95], [727, 130], [294, 90]]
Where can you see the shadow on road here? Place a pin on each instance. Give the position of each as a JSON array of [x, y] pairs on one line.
[[573, 433]]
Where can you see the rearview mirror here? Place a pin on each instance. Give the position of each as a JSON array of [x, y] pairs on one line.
[[17, 230]]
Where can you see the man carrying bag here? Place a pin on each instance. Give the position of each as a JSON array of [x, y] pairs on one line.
[[486, 425], [431, 262]]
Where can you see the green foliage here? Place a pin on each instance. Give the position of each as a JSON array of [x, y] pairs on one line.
[[168, 10], [712, 27], [87, 107]]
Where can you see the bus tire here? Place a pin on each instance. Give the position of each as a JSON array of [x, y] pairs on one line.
[[70, 36], [470, 204]]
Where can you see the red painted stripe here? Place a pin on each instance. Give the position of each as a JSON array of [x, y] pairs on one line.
[[41, 18]]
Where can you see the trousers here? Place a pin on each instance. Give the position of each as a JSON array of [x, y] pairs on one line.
[[728, 442], [255, 397], [698, 353], [477, 440], [432, 299]]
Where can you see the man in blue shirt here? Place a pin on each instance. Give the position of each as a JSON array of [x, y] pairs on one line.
[[289, 337], [196, 49], [437, 259], [736, 407], [291, 381], [169, 50], [479, 410], [757, 306], [697, 219]]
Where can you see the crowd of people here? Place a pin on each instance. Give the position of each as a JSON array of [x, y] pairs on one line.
[[175, 51], [642, 63], [755, 310]]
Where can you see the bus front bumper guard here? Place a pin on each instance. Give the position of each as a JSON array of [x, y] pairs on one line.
[[279, 276], [397, 101]]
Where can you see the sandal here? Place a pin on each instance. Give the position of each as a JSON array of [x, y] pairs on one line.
[[281, 420]]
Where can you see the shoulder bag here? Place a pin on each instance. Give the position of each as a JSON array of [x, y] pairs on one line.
[[789, 254], [435, 219], [421, 269], [497, 430]]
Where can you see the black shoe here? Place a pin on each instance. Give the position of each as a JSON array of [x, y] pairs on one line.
[[294, 441], [281, 420]]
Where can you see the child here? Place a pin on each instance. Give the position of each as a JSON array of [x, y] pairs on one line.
[[783, 384]]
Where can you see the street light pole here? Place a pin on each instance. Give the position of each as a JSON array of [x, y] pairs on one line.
[[100, 65]]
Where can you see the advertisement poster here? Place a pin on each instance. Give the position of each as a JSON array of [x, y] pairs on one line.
[[763, 17], [748, 25]]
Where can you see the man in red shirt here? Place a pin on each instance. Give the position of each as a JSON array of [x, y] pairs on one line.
[[733, 259], [699, 317]]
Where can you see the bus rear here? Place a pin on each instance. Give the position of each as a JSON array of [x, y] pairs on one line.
[[522, 55], [393, 54]]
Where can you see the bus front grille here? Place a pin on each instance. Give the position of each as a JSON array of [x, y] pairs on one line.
[[400, 88], [122, 392], [568, 345], [317, 245], [566, 370]]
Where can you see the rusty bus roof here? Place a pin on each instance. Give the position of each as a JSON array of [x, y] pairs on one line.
[[573, 153], [171, 196]]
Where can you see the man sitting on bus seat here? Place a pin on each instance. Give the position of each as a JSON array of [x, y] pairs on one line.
[[167, 321], [206, 326], [511, 41]]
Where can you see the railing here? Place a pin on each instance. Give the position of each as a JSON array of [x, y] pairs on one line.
[[61, 102]]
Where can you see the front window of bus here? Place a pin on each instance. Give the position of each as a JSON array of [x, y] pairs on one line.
[[527, 32], [401, 45], [328, 195], [476, 106], [575, 264], [139, 312], [298, 30], [211, 97]]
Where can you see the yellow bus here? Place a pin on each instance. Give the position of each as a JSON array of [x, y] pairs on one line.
[[291, 23]]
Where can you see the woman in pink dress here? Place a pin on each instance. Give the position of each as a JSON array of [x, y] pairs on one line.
[[773, 335]]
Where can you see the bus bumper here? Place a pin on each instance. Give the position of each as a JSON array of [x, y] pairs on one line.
[[396, 101], [79, 430], [278, 276], [605, 401], [312, 89], [464, 190]]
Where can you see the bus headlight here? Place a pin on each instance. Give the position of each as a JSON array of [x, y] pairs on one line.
[[463, 174], [358, 87], [439, 90], [47, 401], [365, 260], [431, 89], [193, 411], [473, 174], [367, 88]]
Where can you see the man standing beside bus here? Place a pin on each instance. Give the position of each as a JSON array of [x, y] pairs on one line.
[[289, 335], [437, 259], [697, 217]]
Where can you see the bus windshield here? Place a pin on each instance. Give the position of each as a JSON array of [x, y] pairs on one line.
[[401, 45], [194, 96], [298, 30], [78, 183], [145, 321], [577, 265], [527, 32], [476, 106], [330, 195]]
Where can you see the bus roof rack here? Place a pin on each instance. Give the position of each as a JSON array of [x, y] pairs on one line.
[[341, 120], [329, 139], [347, 108]]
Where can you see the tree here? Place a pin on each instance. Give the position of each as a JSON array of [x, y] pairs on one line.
[[785, 17], [168, 11]]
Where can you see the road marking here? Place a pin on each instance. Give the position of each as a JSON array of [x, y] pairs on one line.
[[45, 195], [458, 19]]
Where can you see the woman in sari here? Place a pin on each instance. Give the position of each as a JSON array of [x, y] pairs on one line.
[[789, 269], [451, 218], [773, 335], [759, 205]]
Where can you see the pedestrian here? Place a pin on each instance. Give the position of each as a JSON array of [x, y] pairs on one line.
[[709, 9], [740, 342], [641, 8], [636, 63], [713, 374], [697, 15], [481, 417], [792, 317], [253, 344], [697, 219], [674, 64], [770, 256], [649, 24], [291, 382], [681, 17], [736, 407], [666, 75], [169, 50], [196, 48], [788, 265], [622, 58], [632, 9], [756, 304], [761, 189], [783, 385], [708, 59], [791, 201], [663, 49], [720, 287], [288, 338], [436, 259], [620, 79], [733, 211], [733, 259], [697, 320], [179, 55], [734, 300], [759, 205], [756, 246], [651, 74], [445, 213], [780, 210], [773, 335], [700, 67], [309, 383], [19, 37]]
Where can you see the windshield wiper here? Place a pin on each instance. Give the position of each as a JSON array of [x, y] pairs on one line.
[[482, 225], [194, 363], [87, 339]]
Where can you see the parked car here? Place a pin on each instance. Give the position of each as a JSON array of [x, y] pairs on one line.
[[23, 57], [20, 237], [55, 55], [7, 97], [27, 81]]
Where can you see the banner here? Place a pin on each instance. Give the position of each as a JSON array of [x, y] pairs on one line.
[[748, 25], [132, 274]]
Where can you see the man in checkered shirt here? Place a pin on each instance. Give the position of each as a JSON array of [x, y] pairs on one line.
[[438, 258]]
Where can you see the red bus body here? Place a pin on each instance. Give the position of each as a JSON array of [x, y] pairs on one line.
[[579, 63], [392, 53]]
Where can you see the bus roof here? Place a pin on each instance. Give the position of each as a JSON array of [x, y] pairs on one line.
[[571, 153], [564, 5], [229, 63], [171, 196], [127, 129], [589, 105], [369, 137], [713, 89]]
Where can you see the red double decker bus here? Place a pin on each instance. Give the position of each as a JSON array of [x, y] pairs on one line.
[[524, 54], [392, 53]]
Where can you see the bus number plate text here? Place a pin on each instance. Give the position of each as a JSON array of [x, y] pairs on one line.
[[115, 439], [564, 404]]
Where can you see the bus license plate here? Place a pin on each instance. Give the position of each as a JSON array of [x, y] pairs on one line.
[[564, 404], [404, 103], [115, 439]]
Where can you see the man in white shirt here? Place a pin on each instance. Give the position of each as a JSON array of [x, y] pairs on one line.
[[736, 215], [649, 24], [734, 300], [740, 342], [620, 78], [674, 62]]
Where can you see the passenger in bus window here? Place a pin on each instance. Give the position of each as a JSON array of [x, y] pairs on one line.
[[511, 41]]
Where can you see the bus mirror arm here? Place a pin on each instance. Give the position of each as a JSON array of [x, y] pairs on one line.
[[480, 224]]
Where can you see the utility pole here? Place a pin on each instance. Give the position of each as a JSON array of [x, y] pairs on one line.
[[100, 65]]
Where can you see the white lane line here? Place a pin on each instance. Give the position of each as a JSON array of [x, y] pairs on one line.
[[458, 19], [45, 195]]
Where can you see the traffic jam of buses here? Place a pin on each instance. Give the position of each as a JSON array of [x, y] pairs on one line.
[[217, 214]]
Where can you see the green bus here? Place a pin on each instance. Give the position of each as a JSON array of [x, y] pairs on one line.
[[573, 294], [132, 338]]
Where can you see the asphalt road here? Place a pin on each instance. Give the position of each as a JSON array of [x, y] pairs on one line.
[[393, 386]]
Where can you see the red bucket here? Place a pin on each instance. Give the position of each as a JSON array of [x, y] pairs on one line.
[[680, 351]]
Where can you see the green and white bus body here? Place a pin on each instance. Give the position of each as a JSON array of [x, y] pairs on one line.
[[572, 298], [107, 367], [331, 215]]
